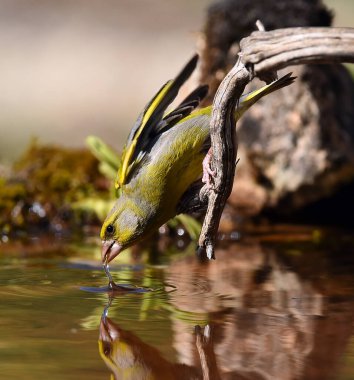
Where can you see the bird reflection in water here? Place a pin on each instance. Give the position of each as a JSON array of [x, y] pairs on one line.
[[129, 358], [267, 319]]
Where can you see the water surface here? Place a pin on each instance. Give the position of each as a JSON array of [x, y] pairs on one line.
[[279, 305]]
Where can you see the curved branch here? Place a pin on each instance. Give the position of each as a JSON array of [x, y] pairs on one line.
[[276, 49], [261, 54], [224, 148]]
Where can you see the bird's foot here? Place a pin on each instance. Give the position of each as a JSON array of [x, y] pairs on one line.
[[208, 172]]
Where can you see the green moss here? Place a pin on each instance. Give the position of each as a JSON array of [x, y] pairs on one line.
[[11, 191], [52, 179]]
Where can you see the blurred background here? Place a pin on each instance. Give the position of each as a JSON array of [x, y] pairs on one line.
[[71, 68], [74, 67]]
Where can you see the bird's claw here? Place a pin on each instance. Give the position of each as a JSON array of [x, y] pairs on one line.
[[208, 172]]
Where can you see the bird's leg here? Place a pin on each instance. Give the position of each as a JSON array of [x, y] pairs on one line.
[[208, 172]]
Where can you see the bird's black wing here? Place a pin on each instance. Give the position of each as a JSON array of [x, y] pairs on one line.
[[152, 122]]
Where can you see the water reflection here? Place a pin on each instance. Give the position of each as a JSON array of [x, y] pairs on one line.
[[262, 317], [277, 310], [128, 357]]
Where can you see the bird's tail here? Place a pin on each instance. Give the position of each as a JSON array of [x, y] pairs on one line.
[[247, 100]]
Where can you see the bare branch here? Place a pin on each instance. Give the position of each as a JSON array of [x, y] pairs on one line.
[[280, 48], [261, 54], [224, 147]]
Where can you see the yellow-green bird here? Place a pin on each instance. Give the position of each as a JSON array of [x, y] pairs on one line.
[[160, 174]]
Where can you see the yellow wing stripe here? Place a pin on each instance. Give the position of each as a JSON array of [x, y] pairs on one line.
[[155, 103], [122, 175], [123, 172], [246, 98]]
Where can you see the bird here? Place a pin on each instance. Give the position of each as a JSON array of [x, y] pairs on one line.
[[161, 169], [128, 357]]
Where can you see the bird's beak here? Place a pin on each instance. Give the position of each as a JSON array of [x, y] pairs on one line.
[[110, 249], [108, 330]]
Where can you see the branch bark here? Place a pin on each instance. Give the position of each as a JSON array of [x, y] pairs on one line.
[[261, 54], [224, 148], [276, 49]]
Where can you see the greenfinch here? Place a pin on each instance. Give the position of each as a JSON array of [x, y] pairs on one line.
[[162, 163]]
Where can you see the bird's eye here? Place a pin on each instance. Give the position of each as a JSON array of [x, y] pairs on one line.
[[110, 229]]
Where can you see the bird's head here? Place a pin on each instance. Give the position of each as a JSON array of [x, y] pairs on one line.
[[123, 227], [111, 245]]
